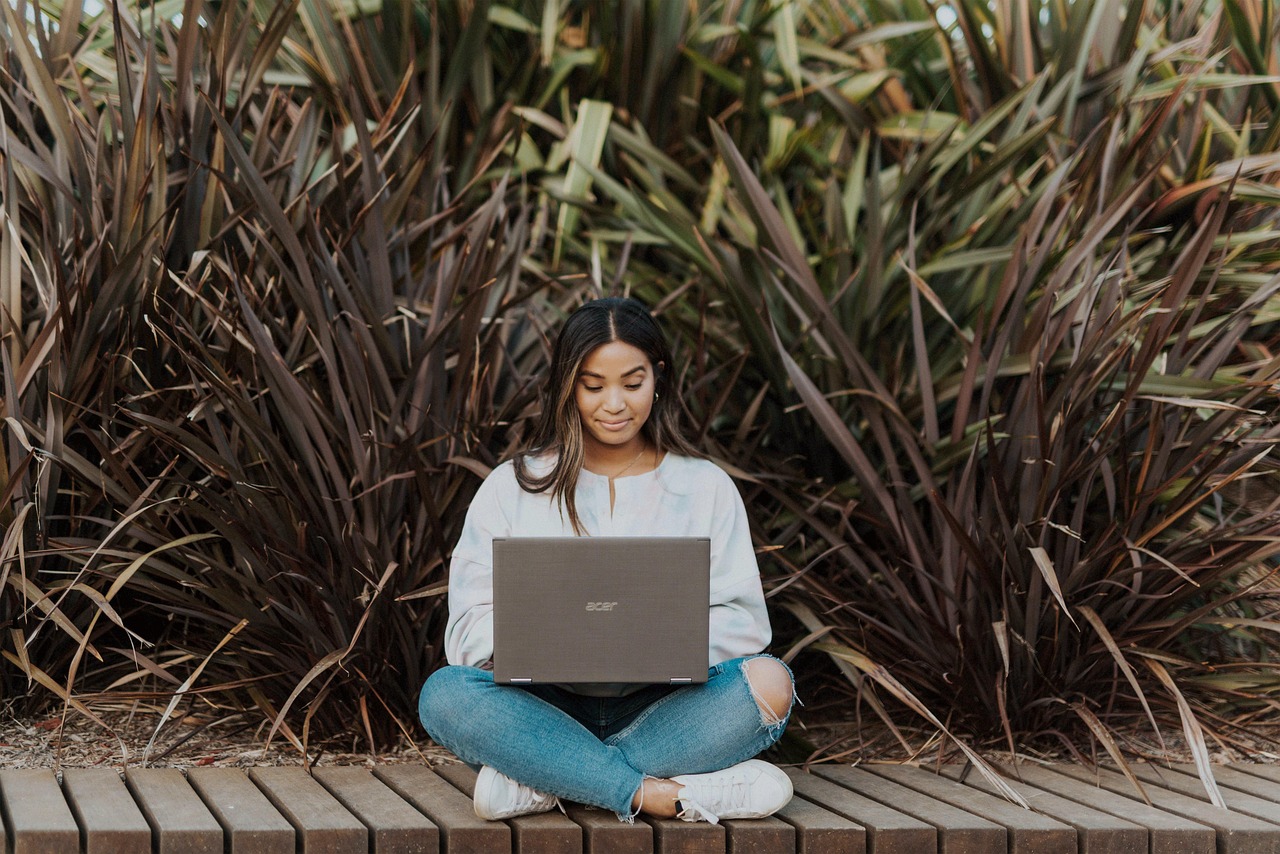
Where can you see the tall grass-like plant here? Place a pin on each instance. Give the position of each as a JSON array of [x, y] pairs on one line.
[[981, 310], [1046, 538], [258, 350], [1024, 305]]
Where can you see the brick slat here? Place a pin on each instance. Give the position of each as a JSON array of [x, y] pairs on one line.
[[1098, 832], [1266, 772], [759, 836], [673, 836], [1029, 833], [180, 822], [1167, 833], [888, 831], [251, 825], [324, 826], [110, 822], [959, 832], [820, 831], [461, 830], [1236, 833], [413, 809], [603, 833], [37, 817], [1187, 782], [1237, 776], [395, 827], [540, 833]]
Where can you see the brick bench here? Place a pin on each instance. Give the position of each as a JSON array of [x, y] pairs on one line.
[[883, 809]]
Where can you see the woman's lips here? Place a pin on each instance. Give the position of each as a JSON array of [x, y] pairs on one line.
[[615, 425]]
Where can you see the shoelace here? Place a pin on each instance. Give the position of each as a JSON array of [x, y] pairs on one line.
[[693, 811], [728, 793]]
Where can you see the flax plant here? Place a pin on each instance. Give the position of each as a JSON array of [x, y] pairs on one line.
[[977, 301], [259, 350], [997, 302]]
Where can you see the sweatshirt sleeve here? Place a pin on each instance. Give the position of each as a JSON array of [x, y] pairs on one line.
[[468, 635], [739, 622]]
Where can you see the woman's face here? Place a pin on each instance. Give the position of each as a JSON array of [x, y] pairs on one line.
[[614, 393]]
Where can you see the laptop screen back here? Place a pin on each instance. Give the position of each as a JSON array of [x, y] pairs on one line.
[[600, 609]]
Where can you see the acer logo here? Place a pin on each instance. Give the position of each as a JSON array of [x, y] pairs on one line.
[[600, 606]]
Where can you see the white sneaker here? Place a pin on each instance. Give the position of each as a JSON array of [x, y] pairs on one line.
[[498, 796], [751, 789]]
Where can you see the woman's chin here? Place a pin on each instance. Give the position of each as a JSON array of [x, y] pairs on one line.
[[611, 441]]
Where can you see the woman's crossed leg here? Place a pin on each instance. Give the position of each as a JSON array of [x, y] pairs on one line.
[[694, 741]]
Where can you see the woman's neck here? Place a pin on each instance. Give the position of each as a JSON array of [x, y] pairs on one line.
[[611, 462]]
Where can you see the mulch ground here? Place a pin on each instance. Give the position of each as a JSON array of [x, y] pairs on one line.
[[133, 736]]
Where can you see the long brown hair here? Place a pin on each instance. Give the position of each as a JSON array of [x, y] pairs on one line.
[[559, 429]]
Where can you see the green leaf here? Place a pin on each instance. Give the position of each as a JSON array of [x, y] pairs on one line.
[[584, 146], [918, 126], [784, 34], [508, 18], [860, 87]]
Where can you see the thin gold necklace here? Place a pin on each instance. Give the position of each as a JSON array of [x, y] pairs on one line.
[[628, 466]]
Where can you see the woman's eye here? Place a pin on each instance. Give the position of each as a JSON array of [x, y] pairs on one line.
[[593, 387], [633, 387]]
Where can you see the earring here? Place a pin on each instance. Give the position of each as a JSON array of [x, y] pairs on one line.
[[655, 395]]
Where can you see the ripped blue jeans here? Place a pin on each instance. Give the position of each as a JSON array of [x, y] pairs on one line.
[[597, 750]]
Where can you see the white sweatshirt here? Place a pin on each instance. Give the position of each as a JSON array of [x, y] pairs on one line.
[[682, 497]]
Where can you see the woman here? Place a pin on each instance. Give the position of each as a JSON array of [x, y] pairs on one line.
[[608, 459]]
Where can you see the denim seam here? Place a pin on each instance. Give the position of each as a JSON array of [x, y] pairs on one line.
[[639, 719]]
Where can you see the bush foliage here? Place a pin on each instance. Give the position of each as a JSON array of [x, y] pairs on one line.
[[981, 310]]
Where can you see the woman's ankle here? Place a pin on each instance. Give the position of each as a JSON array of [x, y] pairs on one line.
[[656, 797]]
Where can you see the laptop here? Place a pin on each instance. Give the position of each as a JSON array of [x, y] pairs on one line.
[[600, 609]]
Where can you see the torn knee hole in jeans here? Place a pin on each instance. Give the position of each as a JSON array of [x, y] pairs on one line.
[[769, 718]]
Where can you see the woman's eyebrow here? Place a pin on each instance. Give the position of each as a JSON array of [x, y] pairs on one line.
[[594, 375]]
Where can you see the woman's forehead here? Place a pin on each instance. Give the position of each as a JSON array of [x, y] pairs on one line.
[[617, 358]]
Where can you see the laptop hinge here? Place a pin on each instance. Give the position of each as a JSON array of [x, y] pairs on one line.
[[520, 679], [681, 680]]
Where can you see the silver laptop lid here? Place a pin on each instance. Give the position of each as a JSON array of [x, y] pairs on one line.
[[600, 609]]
